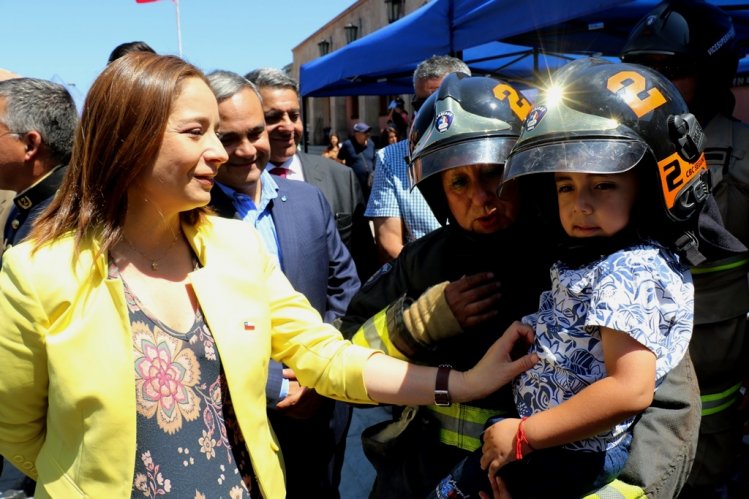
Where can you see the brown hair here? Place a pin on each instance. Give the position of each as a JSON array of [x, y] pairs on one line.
[[119, 135]]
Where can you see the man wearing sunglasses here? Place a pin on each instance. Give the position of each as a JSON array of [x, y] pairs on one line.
[[693, 44], [399, 214]]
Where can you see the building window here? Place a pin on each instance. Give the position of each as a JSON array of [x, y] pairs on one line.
[[394, 10], [354, 107], [383, 104]]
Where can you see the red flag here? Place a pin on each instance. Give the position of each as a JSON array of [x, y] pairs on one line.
[[145, 1]]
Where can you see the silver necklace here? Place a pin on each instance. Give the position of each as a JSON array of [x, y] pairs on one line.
[[154, 261]]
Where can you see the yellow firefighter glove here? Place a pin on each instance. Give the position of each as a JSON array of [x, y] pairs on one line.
[[429, 318]]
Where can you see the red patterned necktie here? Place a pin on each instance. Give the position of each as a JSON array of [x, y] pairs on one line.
[[281, 172]]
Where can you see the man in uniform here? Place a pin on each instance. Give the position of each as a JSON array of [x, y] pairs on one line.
[[37, 125], [693, 44]]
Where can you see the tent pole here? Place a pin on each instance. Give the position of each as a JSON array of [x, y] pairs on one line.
[[305, 134]]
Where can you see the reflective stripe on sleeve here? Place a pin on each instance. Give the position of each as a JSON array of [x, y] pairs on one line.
[[374, 334], [720, 268], [718, 402], [461, 425], [618, 490], [369, 335]]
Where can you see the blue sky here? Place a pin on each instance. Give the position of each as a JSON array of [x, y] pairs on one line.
[[70, 40]]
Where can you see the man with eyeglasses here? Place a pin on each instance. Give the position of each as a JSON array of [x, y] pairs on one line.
[[283, 120], [693, 44], [37, 125], [399, 214]]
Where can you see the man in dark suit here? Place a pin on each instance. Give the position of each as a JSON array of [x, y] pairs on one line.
[[297, 226], [338, 183]]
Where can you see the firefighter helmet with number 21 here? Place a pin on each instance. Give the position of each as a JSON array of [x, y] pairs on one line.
[[604, 117]]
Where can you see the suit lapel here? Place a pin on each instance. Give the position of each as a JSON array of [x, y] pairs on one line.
[[237, 330], [286, 230], [312, 175]]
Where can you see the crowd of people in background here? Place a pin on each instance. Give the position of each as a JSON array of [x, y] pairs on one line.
[[190, 305]]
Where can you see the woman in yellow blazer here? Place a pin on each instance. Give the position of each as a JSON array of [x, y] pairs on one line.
[[129, 293]]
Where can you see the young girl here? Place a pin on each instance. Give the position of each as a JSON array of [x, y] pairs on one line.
[[619, 314]]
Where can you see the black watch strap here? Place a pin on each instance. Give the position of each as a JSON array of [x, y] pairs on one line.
[[441, 393]]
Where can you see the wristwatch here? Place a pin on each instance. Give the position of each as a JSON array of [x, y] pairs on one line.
[[441, 394]]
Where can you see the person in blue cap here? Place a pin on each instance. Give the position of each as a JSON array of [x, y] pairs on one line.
[[358, 152]]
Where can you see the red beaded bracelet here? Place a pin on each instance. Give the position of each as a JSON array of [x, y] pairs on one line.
[[521, 439]]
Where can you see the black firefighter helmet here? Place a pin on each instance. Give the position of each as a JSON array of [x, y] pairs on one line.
[[694, 36], [604, 117], [469, 120]]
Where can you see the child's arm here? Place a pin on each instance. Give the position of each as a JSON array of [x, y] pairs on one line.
[[625, 391]]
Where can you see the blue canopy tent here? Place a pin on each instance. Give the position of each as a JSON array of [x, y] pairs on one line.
[[514, 62], [536, 36], [382, 62]]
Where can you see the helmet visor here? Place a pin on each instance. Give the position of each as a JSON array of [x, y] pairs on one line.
[[581, 156], [488, 150]]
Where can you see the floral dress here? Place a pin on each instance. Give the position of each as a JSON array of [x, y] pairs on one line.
[[189, 444], [642, 291]]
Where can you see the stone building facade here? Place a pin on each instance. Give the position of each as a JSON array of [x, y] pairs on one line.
[[338, 114]]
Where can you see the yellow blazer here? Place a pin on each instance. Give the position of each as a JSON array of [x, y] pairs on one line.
[[67, 387]]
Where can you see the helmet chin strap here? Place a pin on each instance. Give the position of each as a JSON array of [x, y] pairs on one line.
[[688, 246], [578, 251], [687, 135]]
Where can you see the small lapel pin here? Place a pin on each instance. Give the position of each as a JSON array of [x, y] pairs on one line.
[[249, 327]]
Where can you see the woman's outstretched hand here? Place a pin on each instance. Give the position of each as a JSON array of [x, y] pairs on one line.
[[497, 368], [393, 381]]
